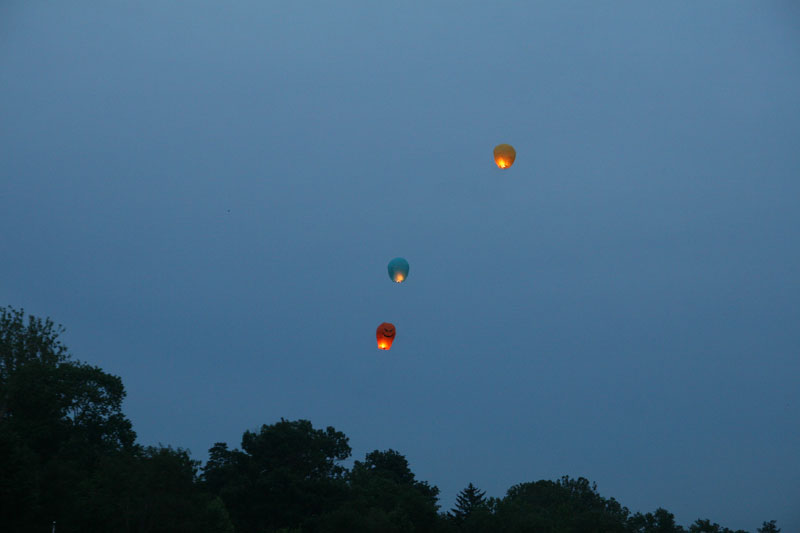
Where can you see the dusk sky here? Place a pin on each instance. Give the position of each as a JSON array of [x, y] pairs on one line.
[[206, 195]]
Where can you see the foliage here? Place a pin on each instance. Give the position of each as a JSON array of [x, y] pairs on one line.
[[662, 521], [473, 511], [68, 450], [58, 418], [286, 475], [152, 489], [769, 527], [564, 505], [705, 526], [467, 501], [384, 495]]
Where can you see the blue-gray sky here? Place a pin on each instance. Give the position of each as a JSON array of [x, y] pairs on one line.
[[206, 195]]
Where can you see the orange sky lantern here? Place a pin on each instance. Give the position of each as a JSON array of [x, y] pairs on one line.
[[385, 335], [504, 155]]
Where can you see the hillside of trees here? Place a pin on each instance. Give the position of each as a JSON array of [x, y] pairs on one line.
[[69, 455]]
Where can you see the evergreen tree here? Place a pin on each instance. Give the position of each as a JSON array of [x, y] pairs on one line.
[[467, 501]]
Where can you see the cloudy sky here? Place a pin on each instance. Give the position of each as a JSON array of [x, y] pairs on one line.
[[206, 195]]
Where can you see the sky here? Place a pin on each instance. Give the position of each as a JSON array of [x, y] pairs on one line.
[[206, 195]]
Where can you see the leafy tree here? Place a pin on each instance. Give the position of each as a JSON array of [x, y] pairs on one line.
[[286, 476], [385, 496], [20, 490], [769, 527], [151, 489], [49, 399], [388, 464], [662, 521], [566, 505], [58, 417], [705, 526], [68, 451]]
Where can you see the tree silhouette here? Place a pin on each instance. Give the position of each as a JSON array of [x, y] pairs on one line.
[[286, 475], [769, 527], [67, 451], [564, 505], [706, 526], [662, 521], [58, 418], [467, 501], [383, 495]]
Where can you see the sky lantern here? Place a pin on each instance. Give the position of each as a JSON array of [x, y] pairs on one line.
[[385, 335], [504, 155], [398, 269]]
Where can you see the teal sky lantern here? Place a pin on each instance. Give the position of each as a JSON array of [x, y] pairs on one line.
[[398, 269]]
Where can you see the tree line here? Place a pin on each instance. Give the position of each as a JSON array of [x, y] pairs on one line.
[[69, 460]]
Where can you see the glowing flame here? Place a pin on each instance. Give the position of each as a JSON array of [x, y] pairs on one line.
[[502, 163], [398, 278], [383, 346]]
